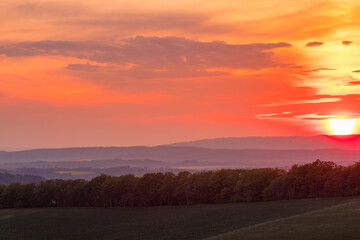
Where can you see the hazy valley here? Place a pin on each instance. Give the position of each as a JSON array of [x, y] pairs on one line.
[[246, 153]]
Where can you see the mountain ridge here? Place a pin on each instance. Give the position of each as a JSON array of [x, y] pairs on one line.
[[349, 142]]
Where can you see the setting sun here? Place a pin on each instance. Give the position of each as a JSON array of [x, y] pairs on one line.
[[342, 126]]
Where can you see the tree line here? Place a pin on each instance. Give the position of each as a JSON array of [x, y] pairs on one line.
[[314, 180]]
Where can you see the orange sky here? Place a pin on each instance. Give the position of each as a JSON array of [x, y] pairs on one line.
[[99, 73]]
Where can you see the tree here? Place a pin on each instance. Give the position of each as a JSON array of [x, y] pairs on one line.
[[252, 183]]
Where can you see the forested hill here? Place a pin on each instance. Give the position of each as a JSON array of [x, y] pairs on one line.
[[7, 178]]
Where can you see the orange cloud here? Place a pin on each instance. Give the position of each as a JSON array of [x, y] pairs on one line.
[[314, 44]]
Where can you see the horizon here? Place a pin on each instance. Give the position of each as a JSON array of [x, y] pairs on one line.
[[341, 138]]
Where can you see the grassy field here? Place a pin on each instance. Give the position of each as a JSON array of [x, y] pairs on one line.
[[340, 222], [333, 218]]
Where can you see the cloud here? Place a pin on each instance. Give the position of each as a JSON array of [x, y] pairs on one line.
[[317, 116], [55, 19], [134, 22], [272, 115], [346, 42], [314, 44], [319, 69], [354, 83], [149, 54], [322, 107], [84, 67], [305, 101], [46, 9], [314, 116]]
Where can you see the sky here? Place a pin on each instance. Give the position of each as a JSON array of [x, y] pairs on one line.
[[121, 73]]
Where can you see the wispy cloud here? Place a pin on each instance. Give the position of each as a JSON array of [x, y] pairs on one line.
[[305, 101], [314, 44]]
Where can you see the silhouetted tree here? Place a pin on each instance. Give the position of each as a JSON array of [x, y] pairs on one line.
[[317, 179]]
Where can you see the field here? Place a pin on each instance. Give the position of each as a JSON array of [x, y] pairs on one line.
[[337, 222], [333, 218]]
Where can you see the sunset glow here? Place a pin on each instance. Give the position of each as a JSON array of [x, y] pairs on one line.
[[342, 126], [91, 73], [193, 119]]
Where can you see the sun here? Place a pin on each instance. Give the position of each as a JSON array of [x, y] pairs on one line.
[[342, 126]]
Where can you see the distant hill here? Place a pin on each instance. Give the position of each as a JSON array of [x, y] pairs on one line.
[[183, 156], [87, 173], [351, 142], [7, 178], [103, 163]]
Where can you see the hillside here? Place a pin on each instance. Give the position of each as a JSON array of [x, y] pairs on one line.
[[351, 142]]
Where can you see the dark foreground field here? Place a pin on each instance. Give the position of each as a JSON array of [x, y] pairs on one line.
[[334, 218]]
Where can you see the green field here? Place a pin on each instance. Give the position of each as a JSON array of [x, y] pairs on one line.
[[333, 218]]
